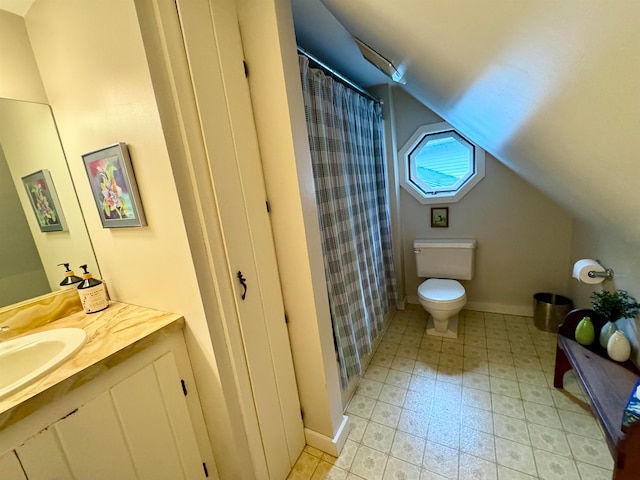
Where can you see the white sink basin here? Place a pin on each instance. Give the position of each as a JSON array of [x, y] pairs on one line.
[[27, 358]]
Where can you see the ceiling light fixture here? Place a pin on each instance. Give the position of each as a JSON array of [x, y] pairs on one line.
[[380, 62]]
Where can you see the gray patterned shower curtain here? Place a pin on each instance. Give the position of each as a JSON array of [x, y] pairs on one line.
[[346, 140]]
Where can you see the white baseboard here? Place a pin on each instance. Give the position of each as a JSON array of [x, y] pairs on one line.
[[505, 309], [332, 446]]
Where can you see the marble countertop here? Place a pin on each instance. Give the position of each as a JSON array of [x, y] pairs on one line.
[[119, 330]]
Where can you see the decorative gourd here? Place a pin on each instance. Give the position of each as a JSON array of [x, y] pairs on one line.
[[585, 333], [607, 330], [618, 347]]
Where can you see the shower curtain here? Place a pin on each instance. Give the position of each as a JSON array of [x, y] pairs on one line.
[[345, 136]]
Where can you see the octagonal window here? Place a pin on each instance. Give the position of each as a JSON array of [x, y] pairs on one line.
[[438, 165]]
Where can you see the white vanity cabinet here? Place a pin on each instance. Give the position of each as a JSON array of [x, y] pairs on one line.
[[137, 420]]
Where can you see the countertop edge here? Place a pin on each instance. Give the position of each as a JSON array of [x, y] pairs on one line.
[[113, 335]]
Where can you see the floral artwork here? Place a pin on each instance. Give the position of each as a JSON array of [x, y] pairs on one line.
[[116, 202], [44, 200], [113, 187]]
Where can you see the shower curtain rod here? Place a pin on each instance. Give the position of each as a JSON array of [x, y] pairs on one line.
[[339, 76]]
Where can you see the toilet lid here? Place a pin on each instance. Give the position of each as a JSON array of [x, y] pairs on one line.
[[441, 290]]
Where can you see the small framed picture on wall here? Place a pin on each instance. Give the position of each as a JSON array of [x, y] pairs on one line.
[[439, 217]]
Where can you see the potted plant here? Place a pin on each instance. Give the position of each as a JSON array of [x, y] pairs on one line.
[[612, 306]]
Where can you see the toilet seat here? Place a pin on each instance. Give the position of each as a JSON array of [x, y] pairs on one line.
[[441, 290]]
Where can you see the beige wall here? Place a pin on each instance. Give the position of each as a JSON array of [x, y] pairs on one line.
[[20, 78], [523, 237], [622, 257]]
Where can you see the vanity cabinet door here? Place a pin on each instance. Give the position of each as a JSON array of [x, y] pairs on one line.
[[10, 468], [42, 458], [138, 429]]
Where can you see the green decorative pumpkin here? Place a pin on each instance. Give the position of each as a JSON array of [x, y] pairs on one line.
[[585, 334]]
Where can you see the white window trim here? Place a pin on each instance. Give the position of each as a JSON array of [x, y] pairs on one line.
[[438, 197]]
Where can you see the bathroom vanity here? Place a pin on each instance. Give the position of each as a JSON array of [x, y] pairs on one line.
[[123, 406]]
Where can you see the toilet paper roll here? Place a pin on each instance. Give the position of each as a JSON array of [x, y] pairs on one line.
[[582, 268]]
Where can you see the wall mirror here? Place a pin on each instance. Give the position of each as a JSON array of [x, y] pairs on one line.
[[29, 257]]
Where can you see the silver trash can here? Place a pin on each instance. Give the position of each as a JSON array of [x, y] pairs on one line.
[[549, 310]]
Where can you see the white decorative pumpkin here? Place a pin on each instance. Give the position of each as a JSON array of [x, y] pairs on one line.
[[618, 347]]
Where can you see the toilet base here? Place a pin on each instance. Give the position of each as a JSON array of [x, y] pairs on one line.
[[452, 328]]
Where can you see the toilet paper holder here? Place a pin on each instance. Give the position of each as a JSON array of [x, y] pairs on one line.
[[607, 274]]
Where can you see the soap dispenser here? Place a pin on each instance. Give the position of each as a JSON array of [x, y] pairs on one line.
[[70, 278], [93, 294]]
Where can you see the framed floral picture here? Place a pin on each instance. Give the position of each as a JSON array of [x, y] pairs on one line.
[[114, 187], [44, 200]]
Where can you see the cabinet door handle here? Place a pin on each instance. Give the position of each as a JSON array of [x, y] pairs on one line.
[[243, 282]]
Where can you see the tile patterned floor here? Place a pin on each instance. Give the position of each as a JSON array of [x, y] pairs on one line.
[[481, 406]]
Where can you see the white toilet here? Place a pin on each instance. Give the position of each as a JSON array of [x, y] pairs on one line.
[[443, 262]]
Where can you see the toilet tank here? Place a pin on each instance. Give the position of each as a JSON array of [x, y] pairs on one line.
[[445, 258]]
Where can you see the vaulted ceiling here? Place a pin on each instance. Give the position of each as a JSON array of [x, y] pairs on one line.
[[550, 88]]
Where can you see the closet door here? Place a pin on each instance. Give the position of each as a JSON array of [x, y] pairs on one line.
[[213, 45]]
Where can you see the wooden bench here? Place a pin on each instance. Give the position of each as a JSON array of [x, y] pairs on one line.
[[608, 385]]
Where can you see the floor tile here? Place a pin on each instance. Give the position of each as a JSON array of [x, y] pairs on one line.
[[591, 472], [346, 457], [382, 359], [407, 351], [415, 423], [427, 475], [501, 370], [369, 388], [455, 349], [580, 424], [327, 471], [399, 469], [376, 372], [392, 395], [497, 356], [425, 369], [541, 414], [474, 468], [369, 463], [555, 467], [511, 428], [509, 406], [418, 401], [386, 414], [408, 447], [505, 387], [549, 439], [478, 444], [403, 364], [476, 398], [441, 460], [361, 406], [378, 436], [398, 378], [422, 384], [477, 419], [526, 361], [444, 432], [451, 360], [590, 450], [515, 456], [505, 473], [304, 467], [357, 425], [536, 394], [476, 380], [532, 376]]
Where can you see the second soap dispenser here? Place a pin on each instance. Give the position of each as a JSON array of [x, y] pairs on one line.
[[93, 294], [70, 278]]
